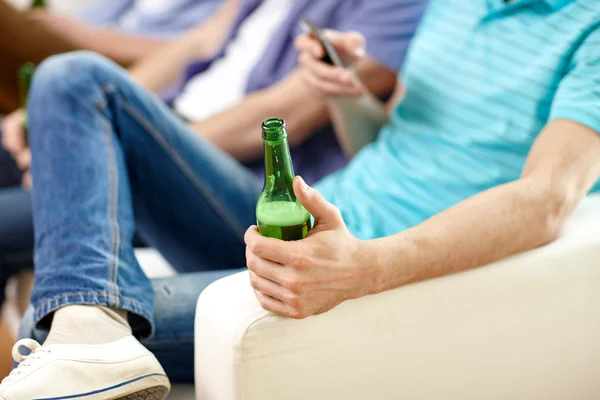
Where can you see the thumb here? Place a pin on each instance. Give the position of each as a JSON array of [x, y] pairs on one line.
[[351, 44], [323, 211]]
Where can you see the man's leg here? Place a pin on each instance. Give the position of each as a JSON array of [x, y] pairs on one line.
[[16, 241], [22, 40], [16, 235], [104, 149], [106, 155], [174, 298]]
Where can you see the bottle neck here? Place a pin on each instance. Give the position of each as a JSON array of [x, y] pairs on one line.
[[38, 4], [279, 171], [24, 82]]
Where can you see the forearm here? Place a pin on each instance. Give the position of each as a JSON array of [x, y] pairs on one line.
[[123, 48], [561, 168], [356, 121], [237, 130], [166, 66], [163, 68], [497, 223]]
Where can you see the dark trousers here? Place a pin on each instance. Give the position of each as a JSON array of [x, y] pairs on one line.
[[16, 226], [16, 234], [10, 175]]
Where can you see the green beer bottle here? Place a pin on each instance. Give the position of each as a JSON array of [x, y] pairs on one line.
[[25, 76], [38, 4], [279, 214]]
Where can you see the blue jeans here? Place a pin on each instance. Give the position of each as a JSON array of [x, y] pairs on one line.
[[16, 234], [109, 157]]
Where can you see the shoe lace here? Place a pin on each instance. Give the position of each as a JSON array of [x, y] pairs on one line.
[[25, 361]]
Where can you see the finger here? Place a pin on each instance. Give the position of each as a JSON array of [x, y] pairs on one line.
[[269, 249], [276, 306], [23, 159], [15, 143], [307, 43], [272, 289], [13, 138], [354, 42], [325, 71], [349, 44], [27, 181], [323, 211], [265, 268], [329, 88]]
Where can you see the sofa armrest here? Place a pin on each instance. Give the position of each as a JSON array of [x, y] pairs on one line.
[[524, 327]]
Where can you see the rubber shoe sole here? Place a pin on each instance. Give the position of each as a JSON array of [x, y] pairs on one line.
[[151, 387], [156, 393]]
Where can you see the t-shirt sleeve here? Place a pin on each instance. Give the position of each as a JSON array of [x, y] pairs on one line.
[[388, 26], [578, 94], [105, 13]]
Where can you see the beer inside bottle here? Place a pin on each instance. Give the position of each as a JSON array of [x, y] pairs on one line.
[[279, 214]]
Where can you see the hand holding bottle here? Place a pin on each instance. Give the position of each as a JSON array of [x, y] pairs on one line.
[[327, 80], [302, 278]]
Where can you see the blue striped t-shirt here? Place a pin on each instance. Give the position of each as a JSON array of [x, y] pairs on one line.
[[482, 79]]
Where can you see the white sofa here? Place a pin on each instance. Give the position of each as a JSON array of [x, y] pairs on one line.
[[527, 327]]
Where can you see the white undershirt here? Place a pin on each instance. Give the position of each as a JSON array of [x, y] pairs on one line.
[[224, 84]]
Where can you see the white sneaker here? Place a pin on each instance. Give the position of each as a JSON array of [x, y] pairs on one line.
[[119, 370]]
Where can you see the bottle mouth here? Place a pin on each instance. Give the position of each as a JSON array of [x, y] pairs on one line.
[[27, 70], [273, 129]]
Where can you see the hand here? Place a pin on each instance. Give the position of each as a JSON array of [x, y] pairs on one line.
[[307, 277], [327, 80]]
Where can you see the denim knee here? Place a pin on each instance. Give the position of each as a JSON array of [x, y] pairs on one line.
[[72, 76], [60, 71]]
